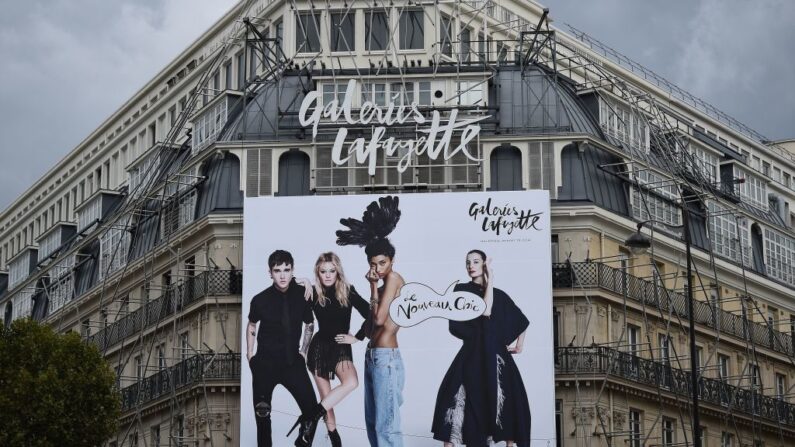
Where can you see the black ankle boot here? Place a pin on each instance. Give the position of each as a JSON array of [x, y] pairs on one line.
[[334, 437], [308, 422]]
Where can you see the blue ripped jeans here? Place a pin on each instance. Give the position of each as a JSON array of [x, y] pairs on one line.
[[383, 395]]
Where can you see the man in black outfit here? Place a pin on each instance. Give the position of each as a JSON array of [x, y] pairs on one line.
[[280, 309]]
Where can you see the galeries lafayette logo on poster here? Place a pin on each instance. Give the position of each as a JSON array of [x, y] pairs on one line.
[[435, 140], [503, 218]]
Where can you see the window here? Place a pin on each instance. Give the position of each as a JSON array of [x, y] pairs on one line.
[[665, 348], [85, 328], [376, 30], [635, 435], [779, 256], [278, 31], [227, 84], [723, 366], [723, 231], [184, 345], [470, 93], [753, 372], [753, 189], [555, 249], [618, 121], [61, 283], [482, 48], [781, 386], [241, 70], [446, 35], [253, 64], [401, 94], [706, 162], [375, 93], [114, 246], [633, 339], [726, 439], [558, 423], [155, 436], [342, 31], [411, 30], [333, 92], [307, 33], [668, 432], [465, 44], [541, 166], [216, 84], [139, 367], [424, 92], [178, 430], [502, 53], [699, 357], [161, 356], [133, 440]]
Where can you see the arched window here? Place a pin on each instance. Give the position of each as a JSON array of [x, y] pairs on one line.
[[294, 173], [9, 311], [506, 169]]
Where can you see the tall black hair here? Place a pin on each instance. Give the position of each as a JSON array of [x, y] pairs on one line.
[[378, 221]]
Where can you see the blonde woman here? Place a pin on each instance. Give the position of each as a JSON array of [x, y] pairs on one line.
[[329, 352]]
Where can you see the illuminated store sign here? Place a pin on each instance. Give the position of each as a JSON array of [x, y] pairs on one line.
[[434, 135]]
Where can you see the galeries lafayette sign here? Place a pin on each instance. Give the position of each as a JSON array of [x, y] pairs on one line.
[[433, 139]]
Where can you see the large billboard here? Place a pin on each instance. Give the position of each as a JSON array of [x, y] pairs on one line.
[[398, 320]]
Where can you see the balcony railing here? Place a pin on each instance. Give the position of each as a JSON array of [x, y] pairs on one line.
[[593, 274], [196, 369], [601, 360], [209, 283]]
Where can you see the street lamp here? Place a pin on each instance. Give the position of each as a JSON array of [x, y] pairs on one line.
[[638, 243]]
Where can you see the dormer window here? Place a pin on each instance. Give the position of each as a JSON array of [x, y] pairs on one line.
[[21, 266], [95, 208], [54, 238]]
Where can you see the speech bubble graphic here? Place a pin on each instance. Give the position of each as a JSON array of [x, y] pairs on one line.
[[418, 302]]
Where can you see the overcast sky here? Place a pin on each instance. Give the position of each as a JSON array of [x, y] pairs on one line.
[[68, 64]]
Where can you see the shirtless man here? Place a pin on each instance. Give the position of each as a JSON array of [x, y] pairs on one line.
[[383, 368]]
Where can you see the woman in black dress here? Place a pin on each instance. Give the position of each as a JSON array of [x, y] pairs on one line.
[[329, 353], [482, 397]]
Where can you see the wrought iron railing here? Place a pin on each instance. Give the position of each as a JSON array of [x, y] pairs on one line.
[[594, 274], [208, 283], [193, 370], [601, 360]]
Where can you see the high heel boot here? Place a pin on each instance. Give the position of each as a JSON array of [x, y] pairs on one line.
[[308, 422], [334, 437]]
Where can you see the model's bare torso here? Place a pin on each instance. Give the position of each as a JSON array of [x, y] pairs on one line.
[[385, 335]]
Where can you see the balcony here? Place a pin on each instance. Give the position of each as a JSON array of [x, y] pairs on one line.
[[641, 291], [601, 360], [197, 369], [209, 283]]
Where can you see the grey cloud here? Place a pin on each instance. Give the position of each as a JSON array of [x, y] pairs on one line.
[[68, 64], [734, 54]]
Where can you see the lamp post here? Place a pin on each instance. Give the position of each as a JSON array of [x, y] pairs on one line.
[[638, 243]]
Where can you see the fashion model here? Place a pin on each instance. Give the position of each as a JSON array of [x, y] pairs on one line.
[[384, 375], [482, 398], [329, 353], [279, 310]]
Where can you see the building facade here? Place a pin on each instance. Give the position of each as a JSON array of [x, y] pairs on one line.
[[134, 239]]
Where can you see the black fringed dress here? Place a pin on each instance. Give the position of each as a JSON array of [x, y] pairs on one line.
[[482, 396], [333, 319]]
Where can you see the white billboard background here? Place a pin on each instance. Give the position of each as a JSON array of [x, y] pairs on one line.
[[432, 238]]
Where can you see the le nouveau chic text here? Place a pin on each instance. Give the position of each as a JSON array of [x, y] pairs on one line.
[[435, 141]]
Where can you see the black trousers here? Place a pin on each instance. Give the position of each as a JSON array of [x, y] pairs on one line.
[[268, 373]]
